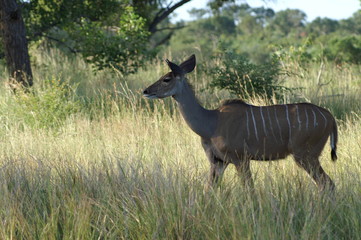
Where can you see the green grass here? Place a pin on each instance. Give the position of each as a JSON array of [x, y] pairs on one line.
[[121, 167]]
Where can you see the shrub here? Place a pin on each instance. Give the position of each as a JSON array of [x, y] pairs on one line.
[[345, 49], [295, 54], [238, 75], [47, 107]]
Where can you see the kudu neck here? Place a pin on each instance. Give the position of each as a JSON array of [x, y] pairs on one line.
[[202, 121]]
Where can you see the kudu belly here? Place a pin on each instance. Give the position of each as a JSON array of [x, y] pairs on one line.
[[264, 150]]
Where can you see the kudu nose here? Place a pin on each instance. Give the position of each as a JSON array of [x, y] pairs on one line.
[[145, 91]]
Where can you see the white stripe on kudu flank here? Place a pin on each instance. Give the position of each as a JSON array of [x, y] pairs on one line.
[[270, 121], [247, 122], [288, 120], [323, 117], [298, 118], [278, 123], [254, 123], [306, 118], [314, 118], [264, 124]]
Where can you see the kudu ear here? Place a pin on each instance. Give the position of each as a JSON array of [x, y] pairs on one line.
[[177, 70], [188, 65]]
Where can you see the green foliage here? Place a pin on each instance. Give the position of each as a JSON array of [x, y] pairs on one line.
[[345, 49], [121, 47], [294, 54], [47, 107], [107, 33], [258, 32], [245, 79], [352, 25], [40, 16], [322, 26], [288, 21], [223, 25]]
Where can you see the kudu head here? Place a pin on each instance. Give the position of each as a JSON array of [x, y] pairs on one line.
[[171, 83]]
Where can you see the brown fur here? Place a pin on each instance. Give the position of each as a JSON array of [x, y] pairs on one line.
[[298, 129]]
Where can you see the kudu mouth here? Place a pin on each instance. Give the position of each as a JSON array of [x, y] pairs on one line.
[[148, 95]]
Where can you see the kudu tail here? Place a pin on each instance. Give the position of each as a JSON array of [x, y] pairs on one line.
[[333, 141]]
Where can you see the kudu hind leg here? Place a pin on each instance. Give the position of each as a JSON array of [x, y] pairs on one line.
[[314, 169]]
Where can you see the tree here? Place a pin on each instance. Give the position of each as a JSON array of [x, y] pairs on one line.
[[117, 33], [123, 46], [15, 43], [287, 21], [352, 24], [249, 25], [345, 49], [107, 33], [322, 26]]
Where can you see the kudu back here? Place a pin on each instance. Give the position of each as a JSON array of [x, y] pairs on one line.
[[238, 132]]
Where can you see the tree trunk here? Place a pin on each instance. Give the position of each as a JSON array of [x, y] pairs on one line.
[[15, 43]]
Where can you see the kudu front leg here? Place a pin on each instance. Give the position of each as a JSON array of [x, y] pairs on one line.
[[216, 172], [217, 165], [244, 171]]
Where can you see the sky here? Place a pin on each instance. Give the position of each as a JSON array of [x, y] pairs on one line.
[[334, 9]]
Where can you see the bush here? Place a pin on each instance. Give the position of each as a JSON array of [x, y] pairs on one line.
[[238, 75], [48, 107], [295, 54], [345, 49]]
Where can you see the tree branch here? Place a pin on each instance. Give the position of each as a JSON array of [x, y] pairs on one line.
[[61, 42], [164, 40], [163, 14], [169, 28], [41, 31]]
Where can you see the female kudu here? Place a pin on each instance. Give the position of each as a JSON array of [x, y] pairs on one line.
[[237, 132]]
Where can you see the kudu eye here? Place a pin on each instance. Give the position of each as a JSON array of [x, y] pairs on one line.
[[167, 79]]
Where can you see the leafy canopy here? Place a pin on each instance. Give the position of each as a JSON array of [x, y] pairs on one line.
[[106, 32]]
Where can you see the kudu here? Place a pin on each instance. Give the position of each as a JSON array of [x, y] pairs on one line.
[[238, 132]]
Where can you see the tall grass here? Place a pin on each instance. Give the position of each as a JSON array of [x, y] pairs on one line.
[[336, 87], [125, 168]]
